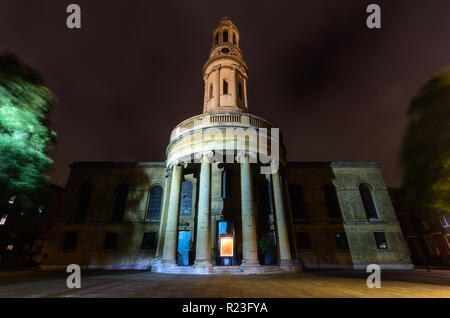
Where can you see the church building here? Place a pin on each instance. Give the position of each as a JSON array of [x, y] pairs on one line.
[[219, 204]]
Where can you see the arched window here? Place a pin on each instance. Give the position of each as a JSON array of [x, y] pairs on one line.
[[332, 201], [240, 90], [83, 202], [216, 39], [298, 204], [154, 202], [120, 202], [225, 36], [186, 198], [225, 87], [210, 91], [367, 199]]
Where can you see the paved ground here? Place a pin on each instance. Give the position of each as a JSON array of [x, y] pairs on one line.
[[417, 283]]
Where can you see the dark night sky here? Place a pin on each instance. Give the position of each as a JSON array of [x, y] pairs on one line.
[[338, 90]]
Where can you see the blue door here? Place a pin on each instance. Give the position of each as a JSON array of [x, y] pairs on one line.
[[183, 247]]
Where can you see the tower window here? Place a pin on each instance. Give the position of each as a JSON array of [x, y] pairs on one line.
[[369, 205], [210, 91], [225, 87], [225, 36], [234, 38], [240, 90], [216, 39], [119, 204]]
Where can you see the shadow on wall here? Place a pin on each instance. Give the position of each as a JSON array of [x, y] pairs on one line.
[[315, 216]]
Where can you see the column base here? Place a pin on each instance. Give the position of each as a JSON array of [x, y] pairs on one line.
[[289, 265], [163, 266], [203, 267], [250, 266]]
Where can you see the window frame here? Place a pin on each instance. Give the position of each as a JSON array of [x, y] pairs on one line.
[[346, 245], [373, 201], [297, 238], [116, 241], [388, 248], [147, 218]]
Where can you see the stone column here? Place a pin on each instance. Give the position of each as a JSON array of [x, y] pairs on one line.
[[235, 87], [163, 217], [281, 224], [245, 91], [249, 247], [171, 237], [217, 87], [202, 251]]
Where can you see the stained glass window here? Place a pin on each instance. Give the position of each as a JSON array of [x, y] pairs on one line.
[[186, 198]]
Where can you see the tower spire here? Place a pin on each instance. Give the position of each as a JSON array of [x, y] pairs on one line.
[[225, 72]]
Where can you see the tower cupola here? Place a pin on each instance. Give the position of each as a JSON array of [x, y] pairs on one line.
[[225, 72]]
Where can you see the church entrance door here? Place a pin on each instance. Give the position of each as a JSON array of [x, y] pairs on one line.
[[184, 238]]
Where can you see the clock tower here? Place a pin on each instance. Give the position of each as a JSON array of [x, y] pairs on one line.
[[225, 72]]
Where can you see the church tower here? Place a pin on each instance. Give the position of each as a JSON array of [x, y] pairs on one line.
[[225, 72]]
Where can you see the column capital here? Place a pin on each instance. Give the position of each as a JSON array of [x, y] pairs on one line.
[[246, 155], [205, 154]]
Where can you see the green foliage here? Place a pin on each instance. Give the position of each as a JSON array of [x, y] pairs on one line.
[[24, 136], [425, 156]]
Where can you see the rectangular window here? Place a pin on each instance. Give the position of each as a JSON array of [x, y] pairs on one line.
[[111, 240], [381, 240], [341, 240], [303, 241], [70, 240], [149, 241], [3, 219]]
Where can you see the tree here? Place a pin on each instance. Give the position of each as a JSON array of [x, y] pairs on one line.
[[24, 136], [425, 154]]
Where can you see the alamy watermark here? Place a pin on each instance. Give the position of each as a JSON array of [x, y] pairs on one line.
[[233, 145]]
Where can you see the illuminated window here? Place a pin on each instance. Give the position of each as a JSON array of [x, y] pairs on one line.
[[83, 202], [70, 240], [10, 247], [149, 241], [298, 204], [154, 202], [341, 240], [332, 201], [303, 241], [120, 203], [381, 240], [186, 198], [369, 205], [111, 240], [225, 87], [3, 219]]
